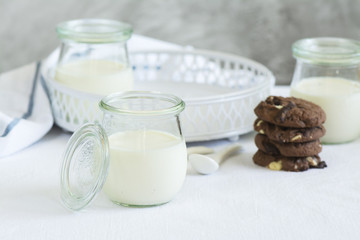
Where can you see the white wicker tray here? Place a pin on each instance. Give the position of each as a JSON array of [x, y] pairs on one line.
[[220, 91]]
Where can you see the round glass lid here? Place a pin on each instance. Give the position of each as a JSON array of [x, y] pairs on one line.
[[84, 167]]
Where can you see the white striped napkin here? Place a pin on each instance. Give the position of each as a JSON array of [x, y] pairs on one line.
[[25, 113]]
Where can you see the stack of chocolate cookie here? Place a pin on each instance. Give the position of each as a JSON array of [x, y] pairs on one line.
[[288, 134]]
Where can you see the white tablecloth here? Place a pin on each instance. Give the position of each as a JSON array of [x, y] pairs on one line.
[[240, 201]]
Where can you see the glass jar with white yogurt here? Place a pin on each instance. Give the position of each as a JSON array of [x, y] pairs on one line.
[[327, 73], [93, 56], [137, 155]]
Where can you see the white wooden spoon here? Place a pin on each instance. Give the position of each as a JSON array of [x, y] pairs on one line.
[[207, 164]]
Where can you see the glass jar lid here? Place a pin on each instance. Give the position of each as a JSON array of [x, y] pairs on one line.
[[327, 51], [84, 167], [94, 31]]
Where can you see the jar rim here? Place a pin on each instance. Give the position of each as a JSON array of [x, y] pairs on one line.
[[94, 31], [327, 50], [108, 103]]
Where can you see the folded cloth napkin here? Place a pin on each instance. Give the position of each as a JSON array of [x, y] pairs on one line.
[[25, 113]]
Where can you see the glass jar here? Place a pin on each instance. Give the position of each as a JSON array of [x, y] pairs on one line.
[[137, 156], [93, 56], [327, 73]]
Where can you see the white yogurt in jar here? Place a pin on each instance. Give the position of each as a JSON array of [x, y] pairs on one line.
[[146, 167], [340, 99], [95, 76]]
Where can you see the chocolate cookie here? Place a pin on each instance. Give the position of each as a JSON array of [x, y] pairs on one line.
[[287, 149], [286, 135], [290, 112], [295, 164]]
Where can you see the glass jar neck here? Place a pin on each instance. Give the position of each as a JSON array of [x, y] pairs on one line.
[[94, 39], [142, 104], [305, 70], [327, 51], [142, 111], [74, 51]]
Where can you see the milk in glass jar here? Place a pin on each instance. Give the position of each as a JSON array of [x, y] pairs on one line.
[[328, 73], [137, 155], [93, 56]]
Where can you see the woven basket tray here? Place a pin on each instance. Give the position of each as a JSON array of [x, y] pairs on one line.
[[220, 91]]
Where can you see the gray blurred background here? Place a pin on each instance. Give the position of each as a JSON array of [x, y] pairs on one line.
[[262, 30]]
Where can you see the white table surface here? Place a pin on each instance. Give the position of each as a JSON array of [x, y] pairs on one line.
[[240, 201]]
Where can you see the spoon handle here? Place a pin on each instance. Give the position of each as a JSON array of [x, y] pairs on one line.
[[227, 152], [199, 150]]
